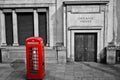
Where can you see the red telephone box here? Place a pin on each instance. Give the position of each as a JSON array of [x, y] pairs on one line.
[[35, 58]]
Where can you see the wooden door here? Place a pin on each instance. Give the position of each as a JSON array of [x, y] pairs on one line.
[[0, 56], [118, 56], [85, 46]]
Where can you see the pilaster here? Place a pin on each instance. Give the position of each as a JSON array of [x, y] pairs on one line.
[[3, 33], [15, 28], [36, 23]]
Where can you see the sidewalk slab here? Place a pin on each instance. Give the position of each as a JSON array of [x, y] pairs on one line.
[[69, 71]]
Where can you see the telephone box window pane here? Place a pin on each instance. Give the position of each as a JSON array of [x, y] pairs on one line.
[[25, 27], [42, 26], [9, 28], [34, 60]]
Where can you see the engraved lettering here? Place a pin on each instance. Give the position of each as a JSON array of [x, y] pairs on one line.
[[85, 19]]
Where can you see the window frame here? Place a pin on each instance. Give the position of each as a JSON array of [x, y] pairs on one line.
[[29, 9]]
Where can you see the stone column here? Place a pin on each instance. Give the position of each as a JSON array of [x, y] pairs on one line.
[[3, 33], [36, 23], [15, 28], [64, 25]]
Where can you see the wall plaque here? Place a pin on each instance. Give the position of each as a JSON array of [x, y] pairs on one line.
[[94, 19]]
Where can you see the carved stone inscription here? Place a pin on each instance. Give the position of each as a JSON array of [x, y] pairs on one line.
[[91, 19], [85, 19]]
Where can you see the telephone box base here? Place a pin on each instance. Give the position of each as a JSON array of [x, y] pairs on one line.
[[33, 79]]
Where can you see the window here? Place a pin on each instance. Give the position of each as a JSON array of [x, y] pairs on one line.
[[42, 21], [9, 28], [25, 26]]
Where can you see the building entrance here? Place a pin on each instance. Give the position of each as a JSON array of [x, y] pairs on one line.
[[85, 47]]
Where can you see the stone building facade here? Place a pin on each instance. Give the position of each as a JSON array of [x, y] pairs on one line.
[[73, 30]]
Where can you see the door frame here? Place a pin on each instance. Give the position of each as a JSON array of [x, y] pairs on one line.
[[71, 41]]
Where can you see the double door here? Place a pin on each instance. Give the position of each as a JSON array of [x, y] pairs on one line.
[[85, 47]]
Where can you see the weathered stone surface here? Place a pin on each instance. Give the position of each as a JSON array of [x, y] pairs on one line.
[[25, 1], [63, 72]]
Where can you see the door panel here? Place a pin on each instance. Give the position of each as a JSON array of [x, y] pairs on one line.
[[78, 57], [92, 47], [85, 46], [0, 56], [118, 56]]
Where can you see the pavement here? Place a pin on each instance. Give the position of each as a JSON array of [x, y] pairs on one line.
[[69, 71]]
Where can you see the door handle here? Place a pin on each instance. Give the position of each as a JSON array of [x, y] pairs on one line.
[[85, 48]]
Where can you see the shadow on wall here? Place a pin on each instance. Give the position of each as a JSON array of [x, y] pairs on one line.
[[103, 55]]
